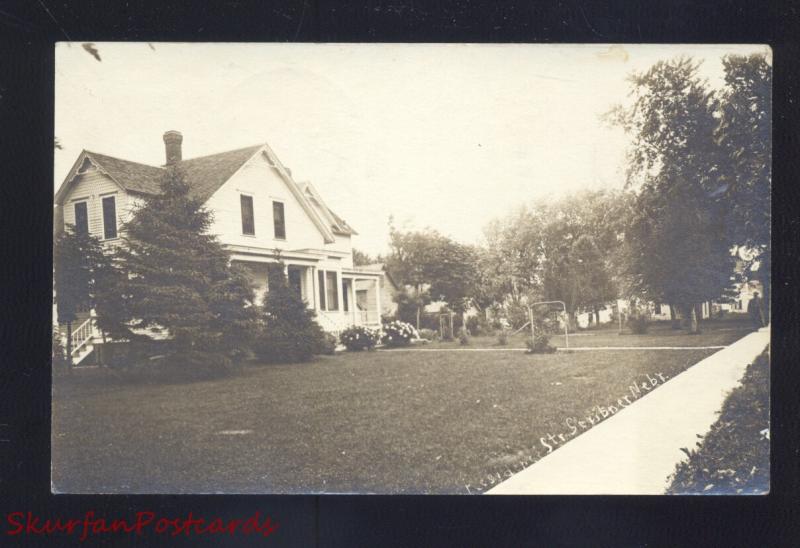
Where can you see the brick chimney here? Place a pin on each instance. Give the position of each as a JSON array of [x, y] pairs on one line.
[[172, 143]]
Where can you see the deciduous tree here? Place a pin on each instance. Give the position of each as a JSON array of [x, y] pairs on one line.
[[677, 248]]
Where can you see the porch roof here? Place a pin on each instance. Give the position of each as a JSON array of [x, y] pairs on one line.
[[361, 273]]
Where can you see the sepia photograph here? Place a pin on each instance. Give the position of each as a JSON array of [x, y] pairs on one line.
[[504, 269]]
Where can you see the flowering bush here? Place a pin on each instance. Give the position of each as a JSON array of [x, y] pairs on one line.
[[358, 337], [398, 333]]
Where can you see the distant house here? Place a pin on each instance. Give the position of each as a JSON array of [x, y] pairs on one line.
[[257, 208], [389, 289]]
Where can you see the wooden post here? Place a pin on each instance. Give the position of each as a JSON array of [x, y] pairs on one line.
[[530, 319], [378, 298]]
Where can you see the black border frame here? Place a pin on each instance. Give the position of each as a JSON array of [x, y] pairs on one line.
[[28, 30]]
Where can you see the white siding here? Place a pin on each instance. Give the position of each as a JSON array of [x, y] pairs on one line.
[[92, 187], [259, 180], [388, 305], [343, 244]]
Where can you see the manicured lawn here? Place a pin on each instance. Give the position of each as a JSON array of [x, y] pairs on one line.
[[382, 421], [714, 333]]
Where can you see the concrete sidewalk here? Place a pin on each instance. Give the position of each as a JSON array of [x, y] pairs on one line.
[[635, 451]]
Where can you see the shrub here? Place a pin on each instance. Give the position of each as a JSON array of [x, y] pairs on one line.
[[474, 325], [463, 338], [138, 363], [517, 315], [398, 334], [502, 338], [540, 344], [429, 334], [638, 323], [327, 345], [195, 365], [358, 337], [290, 333], [59, 353]]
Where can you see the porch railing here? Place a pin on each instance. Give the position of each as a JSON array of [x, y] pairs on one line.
[[329, 325], [82, 335]]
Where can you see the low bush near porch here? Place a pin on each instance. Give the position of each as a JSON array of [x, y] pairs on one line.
[[358, 337], [398, 333]]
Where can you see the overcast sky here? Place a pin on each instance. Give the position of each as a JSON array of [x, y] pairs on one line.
[[440, 136]]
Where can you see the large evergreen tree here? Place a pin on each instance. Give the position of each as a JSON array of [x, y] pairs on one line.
[[178, 279]]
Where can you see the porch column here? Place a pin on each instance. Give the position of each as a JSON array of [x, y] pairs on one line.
[[308, 275], [353, 304], [339, 291], [314, 299], [378, 298]]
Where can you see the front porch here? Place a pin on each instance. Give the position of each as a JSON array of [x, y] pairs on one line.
[[340, 295]]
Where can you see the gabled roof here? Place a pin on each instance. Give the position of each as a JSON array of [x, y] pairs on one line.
[[131, 176], [337, 224], [206, 174]]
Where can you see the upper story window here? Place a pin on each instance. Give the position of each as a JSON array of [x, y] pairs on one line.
[[109, 217], [279, 220], [248, 219], [81, 218]]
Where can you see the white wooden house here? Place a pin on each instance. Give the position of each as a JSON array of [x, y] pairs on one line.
[[257, 208]]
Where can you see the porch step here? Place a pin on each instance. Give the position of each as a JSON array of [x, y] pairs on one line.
[[81, 358]]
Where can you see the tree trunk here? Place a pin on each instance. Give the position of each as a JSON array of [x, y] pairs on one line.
[[419, 305], [69, 347], [698, 312], [765, 301], [693, 329], [572, 322], [596, 316], [676, 323]]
